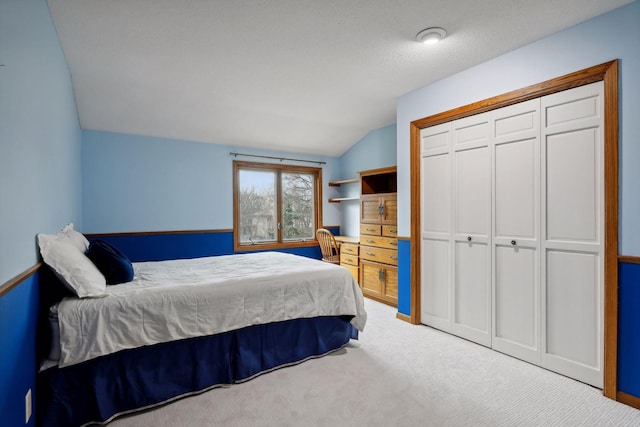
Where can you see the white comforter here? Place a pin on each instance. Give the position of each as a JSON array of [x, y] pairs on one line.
[[171, 300]]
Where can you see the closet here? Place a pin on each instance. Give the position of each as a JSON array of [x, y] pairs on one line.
[[512, 229]]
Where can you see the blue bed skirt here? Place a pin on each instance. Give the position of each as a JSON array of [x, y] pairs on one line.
[[98, 390]]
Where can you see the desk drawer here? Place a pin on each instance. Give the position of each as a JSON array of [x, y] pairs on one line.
[[348, 259], [349, 248], [386, 256], [381, 242]]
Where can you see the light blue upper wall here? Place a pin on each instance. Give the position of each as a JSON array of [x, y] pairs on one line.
[[615, 35], [39, 180], [39, 135], [377, 149], [137, 183]]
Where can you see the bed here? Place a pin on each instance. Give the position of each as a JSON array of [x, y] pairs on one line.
[[182, 327]]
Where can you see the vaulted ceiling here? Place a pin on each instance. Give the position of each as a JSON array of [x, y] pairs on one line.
[[307, 76]]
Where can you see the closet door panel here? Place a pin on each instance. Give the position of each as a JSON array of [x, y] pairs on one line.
[[470, 132], [435, 139], [472, 293], [436, 189], [582, 109], [435, 295], [515, 185], [473, 191], [572, 300], [516, 319], [572, 186], [516, 122]]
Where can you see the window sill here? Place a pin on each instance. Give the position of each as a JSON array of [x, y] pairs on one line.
[[247, 247]]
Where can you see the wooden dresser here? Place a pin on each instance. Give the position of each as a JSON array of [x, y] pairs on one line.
[[379, 235]]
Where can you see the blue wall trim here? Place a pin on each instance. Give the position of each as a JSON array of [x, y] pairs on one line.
[[18, 362], [404, 277], [629, 328]]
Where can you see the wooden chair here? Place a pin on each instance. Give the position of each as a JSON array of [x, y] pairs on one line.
[[328, 246]]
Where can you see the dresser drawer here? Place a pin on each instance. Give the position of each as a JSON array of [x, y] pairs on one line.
[[349, 248], [370, 229], [390, 230], [387, 256], [348, 259], [380, 242]]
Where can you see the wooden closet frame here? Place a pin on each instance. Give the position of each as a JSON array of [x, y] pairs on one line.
[[606, 72]]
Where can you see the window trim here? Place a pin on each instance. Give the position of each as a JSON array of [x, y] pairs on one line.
[[242, 247]]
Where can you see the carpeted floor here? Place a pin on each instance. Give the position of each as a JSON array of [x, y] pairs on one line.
[[398, 374]]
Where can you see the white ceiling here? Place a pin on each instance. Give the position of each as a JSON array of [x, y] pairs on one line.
[[307, 76]]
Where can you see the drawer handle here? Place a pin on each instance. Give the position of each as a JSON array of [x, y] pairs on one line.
[[370, 241], [371, 229], [469, 239], [371, 254], [348, 259], [395, 258], [393, 230], [513, 242], [393, 243]]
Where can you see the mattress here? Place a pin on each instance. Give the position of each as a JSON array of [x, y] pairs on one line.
[[179, 299]]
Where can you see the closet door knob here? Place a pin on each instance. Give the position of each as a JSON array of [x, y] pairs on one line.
[[469, 239], [513, 242]]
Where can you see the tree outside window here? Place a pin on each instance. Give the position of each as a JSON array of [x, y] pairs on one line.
[[275, 205]]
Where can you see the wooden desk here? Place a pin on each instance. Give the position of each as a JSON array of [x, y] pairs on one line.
[[349, 254], [347, 239]]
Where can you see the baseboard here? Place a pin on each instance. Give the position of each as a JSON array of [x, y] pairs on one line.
[[404, 317], [628, 399]]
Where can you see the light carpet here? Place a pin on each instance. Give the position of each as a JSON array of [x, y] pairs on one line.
[[398, 374]]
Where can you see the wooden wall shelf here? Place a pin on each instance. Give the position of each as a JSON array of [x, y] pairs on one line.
[[344, 181], [342, 199]]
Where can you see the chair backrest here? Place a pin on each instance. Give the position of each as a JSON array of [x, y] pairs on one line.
[[328, 246]]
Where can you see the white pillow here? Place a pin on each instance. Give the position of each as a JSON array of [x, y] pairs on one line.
[[77, 239], [71, 265]]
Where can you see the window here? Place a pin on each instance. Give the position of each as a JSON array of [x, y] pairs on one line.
[[275, 206]]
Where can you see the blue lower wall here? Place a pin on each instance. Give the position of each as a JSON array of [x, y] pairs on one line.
[[157, 247], [18, 361], [629, 328], [404, 277]]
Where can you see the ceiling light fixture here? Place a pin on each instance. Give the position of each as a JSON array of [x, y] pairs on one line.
[[431, 35]]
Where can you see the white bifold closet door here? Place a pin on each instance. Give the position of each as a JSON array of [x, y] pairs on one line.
[[573, 232], [516, 219], [472, 221], [436, 223], [512, 217]]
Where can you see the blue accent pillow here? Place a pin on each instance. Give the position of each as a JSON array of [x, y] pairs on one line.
[[113, 264]]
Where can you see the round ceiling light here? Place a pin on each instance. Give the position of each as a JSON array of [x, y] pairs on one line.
[[431, 35]]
